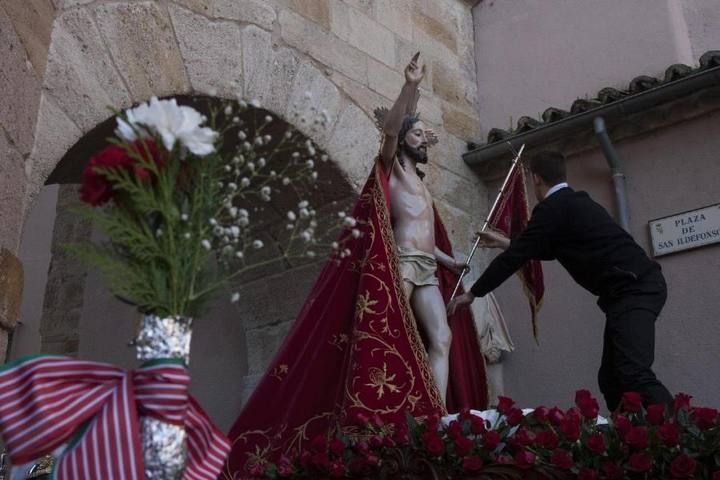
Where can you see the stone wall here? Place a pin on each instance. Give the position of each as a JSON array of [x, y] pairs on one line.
[[346, 55]]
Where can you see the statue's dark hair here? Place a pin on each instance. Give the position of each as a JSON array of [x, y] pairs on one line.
[[407, 125]]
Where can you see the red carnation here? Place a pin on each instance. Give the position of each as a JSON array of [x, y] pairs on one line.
[[587, 474], [561, 458], [655, 414], [472, 464], [640, 462], [504, 404], [95, 188], [596, 443], [613, 471], [632, 402], [683, 466]]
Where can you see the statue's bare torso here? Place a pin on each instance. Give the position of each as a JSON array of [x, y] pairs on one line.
[[411, 209]]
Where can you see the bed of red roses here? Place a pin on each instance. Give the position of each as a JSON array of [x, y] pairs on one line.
[[675, 442]]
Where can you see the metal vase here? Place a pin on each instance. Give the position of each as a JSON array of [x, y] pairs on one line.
[[163, 445]]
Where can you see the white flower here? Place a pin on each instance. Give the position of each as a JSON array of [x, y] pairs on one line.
[[212, 222], [355, 233], [184, 217], [242, 135], [171, 122], [349, 221], [291, 216], [310, 254], [314, 175], [235, 231], [235, 297], [303, 204], [305, 235], [304, 214], [255, 103], [286, 181], [244, 182], [268, 119], [324, 158], [206, 244], [186, 235], [233, 211], [335, 245], [267, 138], [239, 254], [257, 244], [310, 164], [243, 213], [228, 110]]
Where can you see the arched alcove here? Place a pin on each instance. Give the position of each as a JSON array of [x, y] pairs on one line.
[[68, 310]]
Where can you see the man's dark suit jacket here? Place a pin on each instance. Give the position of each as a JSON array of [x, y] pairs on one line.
[[572, 228]]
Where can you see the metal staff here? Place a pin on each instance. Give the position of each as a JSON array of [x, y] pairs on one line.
[[515, 163]]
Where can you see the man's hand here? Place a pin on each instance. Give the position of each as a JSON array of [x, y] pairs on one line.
[[465, 299], [413, 72], [457, 267], [493, 239]]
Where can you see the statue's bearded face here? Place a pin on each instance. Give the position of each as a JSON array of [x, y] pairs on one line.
[[415, 143]]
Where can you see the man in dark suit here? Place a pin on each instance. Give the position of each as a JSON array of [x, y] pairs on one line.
[[604, 259]]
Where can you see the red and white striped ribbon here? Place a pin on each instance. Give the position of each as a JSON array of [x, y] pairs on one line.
[[45, 400]]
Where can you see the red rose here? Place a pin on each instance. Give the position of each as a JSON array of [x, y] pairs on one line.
[[683, 466], [570, 428], [655, 414], [632, 402], [257, 470], [465, 414], [321, 461], [504, 404], [514, 417], [669, 433], [613, 471], [377, 420], [376, 441], [561, 459], [556, 416], [547, 439], [472, 464], [477, 425], [432, 421], [704, 418], [587, 474], [388, 442], [337, 469], [582, 395], [463, 446], [523, 436], [454, 430], [504, 459], [433, 443], [588, 407], [637, 438], [622, 424], [596, 443], [525, 459], [337, 446], [318, 444], [681, 402], [541, 414], [401, 435], [640, 462], [491, 440]]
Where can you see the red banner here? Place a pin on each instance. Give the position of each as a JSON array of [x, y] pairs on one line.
[[511, 217]]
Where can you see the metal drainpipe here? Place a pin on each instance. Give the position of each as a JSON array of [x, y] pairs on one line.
[[618, 176]]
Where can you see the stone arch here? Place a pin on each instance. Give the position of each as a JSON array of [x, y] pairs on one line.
[[79, 316], [118, 54]]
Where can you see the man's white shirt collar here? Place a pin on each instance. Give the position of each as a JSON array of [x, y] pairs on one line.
[[555, 188]]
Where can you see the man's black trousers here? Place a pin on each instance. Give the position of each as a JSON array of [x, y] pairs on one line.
[[629, 340]]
